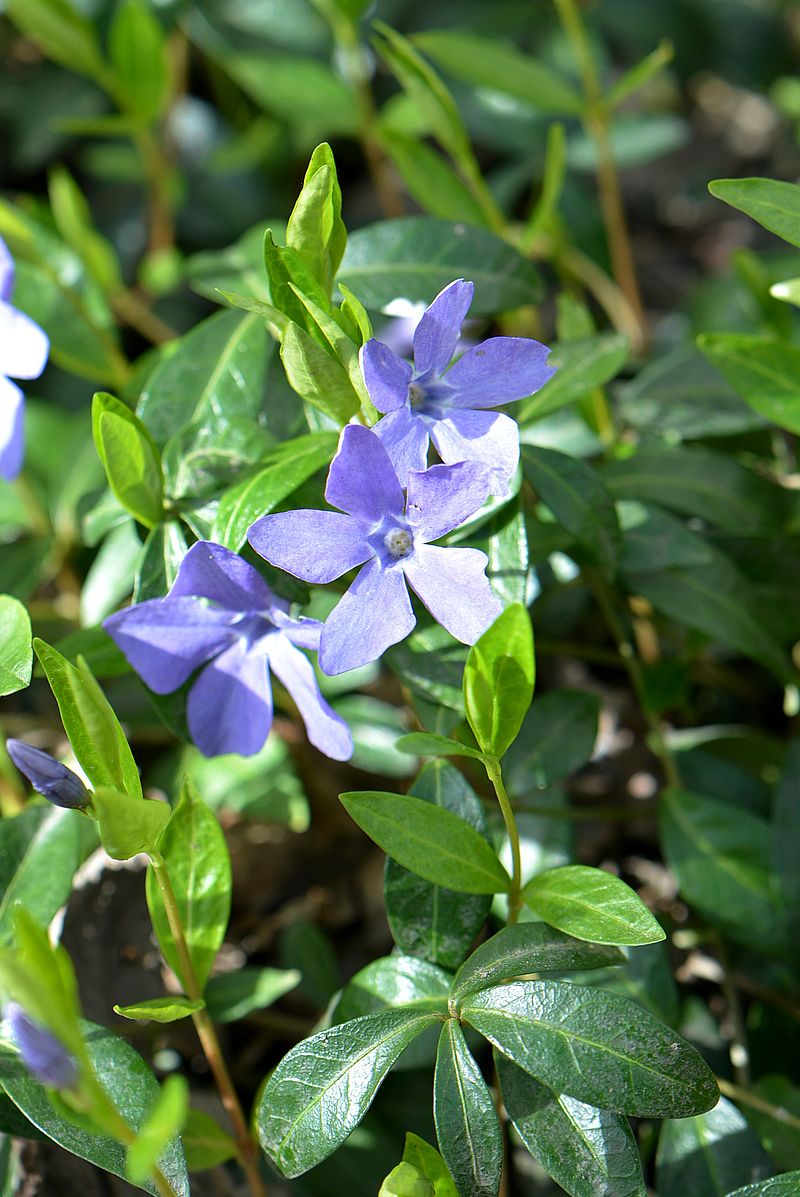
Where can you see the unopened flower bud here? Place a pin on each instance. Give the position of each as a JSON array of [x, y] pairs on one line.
[[44, 1056], [59, 784]]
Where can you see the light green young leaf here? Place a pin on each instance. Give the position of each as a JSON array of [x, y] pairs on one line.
[[130, 457], [765, 373], [205, 1142], [316, 229], [555, 172], [406, 1181], [137, 47], [163, 1009], [61, 32], [591, 904], [16, 651], [498, 680], [428, 744], [73, 219], [128, 825], [163, 1123], [427, 1160], [774, 204], [317, 376], [40, 850]]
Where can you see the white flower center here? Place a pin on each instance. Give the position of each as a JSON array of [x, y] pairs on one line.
[[398, 542]]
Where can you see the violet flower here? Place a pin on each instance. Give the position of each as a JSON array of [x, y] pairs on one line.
[[55, 781], [390, 537], [448, 406], [221, 615], [44, 1056], [23, 354]]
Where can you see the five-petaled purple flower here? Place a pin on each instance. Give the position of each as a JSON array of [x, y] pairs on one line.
[[23, 354], [44, 1056], [391, 535], [221, 614], [431, 403]]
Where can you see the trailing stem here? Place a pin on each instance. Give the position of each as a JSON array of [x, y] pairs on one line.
[[495, 775]]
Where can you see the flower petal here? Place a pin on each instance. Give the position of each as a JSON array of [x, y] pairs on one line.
[[452, 584], [485, 436], [497, 371], [440, 327], [229, 708], [386, 375], [316, 546], [44, 1056], [216, 573], [23, 345], [326, 730], [444, 496], [404, 435], [12, 432], [166, 639], [6, 271], [303, 632], [361, 480], [373, 614]]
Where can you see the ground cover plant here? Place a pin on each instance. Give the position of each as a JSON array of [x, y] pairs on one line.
[[399, 617]]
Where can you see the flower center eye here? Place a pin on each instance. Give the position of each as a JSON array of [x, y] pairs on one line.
[[416, 394], [398, 542]]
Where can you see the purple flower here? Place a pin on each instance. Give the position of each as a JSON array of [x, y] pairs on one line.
[[431, 403], [59, 784], [23, 354], [221, 615], [390, 537], [44, 1056]]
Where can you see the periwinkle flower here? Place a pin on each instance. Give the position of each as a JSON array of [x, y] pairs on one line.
[[449, 406], [44, 1056], [23, 354], [55, 781], [221, 615], [390, 536]]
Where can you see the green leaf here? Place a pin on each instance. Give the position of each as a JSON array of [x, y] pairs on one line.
[[467, 1126], [586, 1151], [62, 33], [764, 372], [40, 850], [290, 466], [163, 1122], [162, 1009], [415, 257], [130, 457], [16, 652], [137, 48], [159, 561], [131, 1086], [427, 744], [786, 839], [429, 840], [321, 1090], [712, 1153], [197, 861], [578, 499], [780, 1139], [595, 1046], [214, 372], [91, 725], [406, 1181], [640, 74], [777, 1186], [430, 180], [723, 866], [425, 919], [653, 540], [392, 981], [316, 229], [304, 92], [427, 1160], [591, 904], [558, 735], [317, 376], [554, 174], [581, 366], [525, 948], [73, 218], [128, 825], [504, 539], [498, 680], [205, 1142], [231, 996], [485, 62], [773, 204]]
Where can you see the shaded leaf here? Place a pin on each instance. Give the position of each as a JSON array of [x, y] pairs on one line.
[[708, 1154]]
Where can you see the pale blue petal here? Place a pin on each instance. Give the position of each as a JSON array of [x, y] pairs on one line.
[[404, 435], [23, 345], [216, 573], [488, 437], [386, 375], [326, 730], [229, 708], [452, 584], [498, 371], [6, 271], [442, 497], [165, 640], [374, 614], [440, 327], [316, 546], [361, 480], [12, 430]]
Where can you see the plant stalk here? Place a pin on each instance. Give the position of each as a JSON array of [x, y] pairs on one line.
[[495, 775], [745, 1098]]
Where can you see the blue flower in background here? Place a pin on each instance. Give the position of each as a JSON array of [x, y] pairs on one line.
[[55, 781], [44, 1056], [23, 354], [448, 406], [222, 619]]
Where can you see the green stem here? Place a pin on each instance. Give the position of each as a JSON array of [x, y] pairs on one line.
[[246, 1148], [129, 307], [495, 775], [745, 1098]]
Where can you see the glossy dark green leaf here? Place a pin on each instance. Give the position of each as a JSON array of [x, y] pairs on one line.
[[91, 725], [307, 949], [415, 257], [498, 680], [764, 372], [159, 561], [131, 1086], [504, 539], [777, 1186], [654, 540], [586, 1150], [432, 667], [214, 372], [575, 494], [711, 1153], [646, 978], [128, 825], [581, 365], [525, 948], [426, 919], [427, 744], [429, 840], [231, 996], [780, 1138], [253, 497], [467, 1126], [321, 1090], [196, 857], [130, 457], [594, 1046], [166, 1009], [392, 981], [591, 904], [774, 204], [558, 736], [16, 652], [722, 865], [40, 850]]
